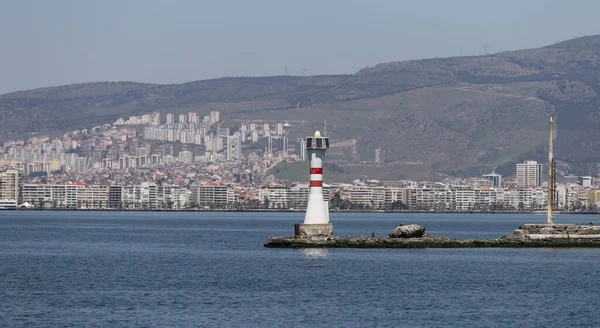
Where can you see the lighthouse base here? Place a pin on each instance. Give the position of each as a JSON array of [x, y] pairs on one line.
[[313, 230]]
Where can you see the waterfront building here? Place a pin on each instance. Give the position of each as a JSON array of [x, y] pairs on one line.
[[211, 194], [115, 194], [92, 197], [290, 196], [529, 174], [11, 182]]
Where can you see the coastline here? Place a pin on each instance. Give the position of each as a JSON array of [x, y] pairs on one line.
[[294, 211]]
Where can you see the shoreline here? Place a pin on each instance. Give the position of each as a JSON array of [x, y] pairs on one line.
[[291, 211]]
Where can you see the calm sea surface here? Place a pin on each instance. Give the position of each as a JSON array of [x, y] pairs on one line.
[[125, 269]]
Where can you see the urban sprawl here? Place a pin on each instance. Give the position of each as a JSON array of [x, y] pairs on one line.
[[188, 161]]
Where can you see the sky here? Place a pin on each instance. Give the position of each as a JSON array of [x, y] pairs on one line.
[[49, 43]]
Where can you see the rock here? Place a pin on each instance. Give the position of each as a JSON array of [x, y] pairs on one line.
[[408, 231]]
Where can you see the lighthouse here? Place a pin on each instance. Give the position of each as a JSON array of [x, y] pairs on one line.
[[316, 221]]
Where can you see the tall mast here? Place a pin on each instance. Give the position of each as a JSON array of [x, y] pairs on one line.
[[551, 175]]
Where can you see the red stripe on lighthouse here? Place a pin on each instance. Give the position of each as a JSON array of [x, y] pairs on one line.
[[316, 170], [315, 183]]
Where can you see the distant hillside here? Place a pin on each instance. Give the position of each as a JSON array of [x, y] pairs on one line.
[[461, 115]]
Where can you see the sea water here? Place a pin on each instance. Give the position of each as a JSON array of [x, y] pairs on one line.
[[175, 269]]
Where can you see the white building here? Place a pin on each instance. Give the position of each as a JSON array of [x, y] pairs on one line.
[[10, 185], [586, 181], [170, 118], [529, 174], [495, 179], [211, 194]]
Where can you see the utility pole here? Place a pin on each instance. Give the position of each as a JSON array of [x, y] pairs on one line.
[[551, 175]]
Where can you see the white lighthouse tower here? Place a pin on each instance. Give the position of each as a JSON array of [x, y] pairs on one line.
[[316, 220]]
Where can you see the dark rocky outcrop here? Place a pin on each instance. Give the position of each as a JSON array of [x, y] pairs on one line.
[[408, 231]]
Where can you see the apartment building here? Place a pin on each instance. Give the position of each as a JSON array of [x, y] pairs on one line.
[[529, 174], [10, 185]]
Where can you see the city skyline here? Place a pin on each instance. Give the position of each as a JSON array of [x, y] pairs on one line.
[[118, 167]]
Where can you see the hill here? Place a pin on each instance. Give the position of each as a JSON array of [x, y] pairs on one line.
[[459, 116]]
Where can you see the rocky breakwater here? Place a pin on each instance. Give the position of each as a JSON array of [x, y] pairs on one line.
[[414, 236], [403, 236]]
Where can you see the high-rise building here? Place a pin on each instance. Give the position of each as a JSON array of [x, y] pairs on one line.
[[234, 147], [529, 174], [146, 119], [266, 130], [170, 118], [282, 143], [182, 118], [214, 117], [115, 193], [279, 128], [494, 179], [254, 136], [156, 118], [380, 156], [11, 183], [301, 148], [193, 117], [268, 144]]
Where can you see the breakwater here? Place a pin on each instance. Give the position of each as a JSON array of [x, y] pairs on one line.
[[428, 242]]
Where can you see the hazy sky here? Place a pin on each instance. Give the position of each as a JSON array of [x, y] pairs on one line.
[[46, 43]]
